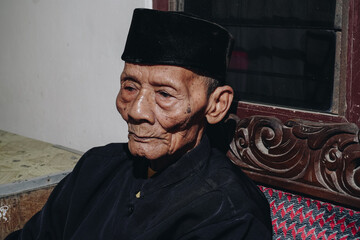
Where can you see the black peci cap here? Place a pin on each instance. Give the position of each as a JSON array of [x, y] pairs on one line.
[[179, 39]]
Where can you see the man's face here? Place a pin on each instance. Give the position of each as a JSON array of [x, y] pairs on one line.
[[164, 107]]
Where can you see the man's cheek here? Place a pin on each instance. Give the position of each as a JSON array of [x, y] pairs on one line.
[[123, 110], [174, 119], [173, 124]]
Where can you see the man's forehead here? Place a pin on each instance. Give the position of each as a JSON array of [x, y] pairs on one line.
[[159, 74]]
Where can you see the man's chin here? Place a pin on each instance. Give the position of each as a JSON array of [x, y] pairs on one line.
[[150, 151]]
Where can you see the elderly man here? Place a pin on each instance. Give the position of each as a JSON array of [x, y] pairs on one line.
[[167, 182]]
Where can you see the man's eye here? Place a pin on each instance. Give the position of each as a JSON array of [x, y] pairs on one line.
[[128, 88], [164, 94]]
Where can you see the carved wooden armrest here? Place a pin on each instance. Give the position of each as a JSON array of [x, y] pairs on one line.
[[321, 160]]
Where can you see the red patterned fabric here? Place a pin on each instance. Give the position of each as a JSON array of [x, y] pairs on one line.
[[297, 217]]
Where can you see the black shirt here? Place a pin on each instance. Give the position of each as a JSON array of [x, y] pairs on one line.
[[107, 196]]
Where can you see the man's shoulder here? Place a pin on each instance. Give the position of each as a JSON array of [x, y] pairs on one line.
[[109, 150], [237, 187], [101, 157]]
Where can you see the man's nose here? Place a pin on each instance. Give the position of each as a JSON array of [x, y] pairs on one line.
[[142, 108]]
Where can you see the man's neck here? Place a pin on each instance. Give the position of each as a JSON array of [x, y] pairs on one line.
[[151, 172]]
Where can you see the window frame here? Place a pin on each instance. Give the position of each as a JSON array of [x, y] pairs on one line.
[[346, 93]]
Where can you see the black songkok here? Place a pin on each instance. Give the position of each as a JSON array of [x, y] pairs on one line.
[[176, 38]]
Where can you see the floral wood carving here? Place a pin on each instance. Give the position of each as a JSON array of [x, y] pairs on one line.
[[318, 159]]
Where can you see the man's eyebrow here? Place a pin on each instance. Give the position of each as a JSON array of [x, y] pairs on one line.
[[164, 82], [126, 77]]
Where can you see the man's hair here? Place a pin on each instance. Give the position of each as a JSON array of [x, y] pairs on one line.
[[212, 85]]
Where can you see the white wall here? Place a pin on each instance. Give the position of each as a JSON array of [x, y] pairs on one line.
[[59, 69]]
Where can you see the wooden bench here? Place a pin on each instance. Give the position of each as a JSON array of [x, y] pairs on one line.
[[309, 171]]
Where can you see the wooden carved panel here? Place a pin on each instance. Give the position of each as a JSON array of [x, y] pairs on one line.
[[317, 159]]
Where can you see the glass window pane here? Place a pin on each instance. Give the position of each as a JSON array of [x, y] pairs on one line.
[[284, 51]]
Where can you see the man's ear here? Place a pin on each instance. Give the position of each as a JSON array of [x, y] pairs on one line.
[[219, 103]]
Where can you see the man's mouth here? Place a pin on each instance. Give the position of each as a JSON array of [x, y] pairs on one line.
[[139, 138]]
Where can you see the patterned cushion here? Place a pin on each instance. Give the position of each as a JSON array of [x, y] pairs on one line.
[[297, 217]]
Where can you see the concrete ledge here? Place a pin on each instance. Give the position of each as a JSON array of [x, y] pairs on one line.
[[30, 185]]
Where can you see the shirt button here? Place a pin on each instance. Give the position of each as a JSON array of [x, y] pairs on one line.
[[130, 209]]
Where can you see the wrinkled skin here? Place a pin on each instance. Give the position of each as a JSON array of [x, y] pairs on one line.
[[165, 108]]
